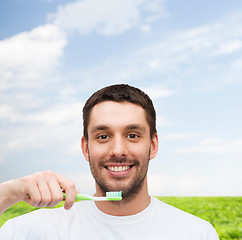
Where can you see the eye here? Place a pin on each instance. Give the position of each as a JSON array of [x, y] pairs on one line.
[[103, 137], [132, 136]]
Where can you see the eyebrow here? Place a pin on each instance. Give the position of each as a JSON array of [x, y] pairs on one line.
[[99, 128], [135, 127], [128, 127]]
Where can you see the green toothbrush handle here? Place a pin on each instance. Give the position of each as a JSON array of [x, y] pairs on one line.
[[79, 197]]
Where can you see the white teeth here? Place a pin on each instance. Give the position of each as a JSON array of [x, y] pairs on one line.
[[118, 169]]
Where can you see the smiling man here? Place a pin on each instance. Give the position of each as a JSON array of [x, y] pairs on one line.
[[118, 146], [119, 140]]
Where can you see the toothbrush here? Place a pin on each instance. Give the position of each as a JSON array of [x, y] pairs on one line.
[[110, 196]]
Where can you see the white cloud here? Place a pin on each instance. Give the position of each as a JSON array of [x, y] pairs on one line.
[[55, 115], [7, 113], [29, 58], [237, 64], [194, 185], [175, 136], [60, 124], [214, 147], [211, 141], [84, 182], [162, 122], [104, 16], [75, 147], [229, 46], [145, 28], [178, 57], [156, 92], [67, 93], [234, 72]]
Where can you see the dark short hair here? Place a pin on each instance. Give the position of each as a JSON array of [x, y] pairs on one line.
[[121, 93]]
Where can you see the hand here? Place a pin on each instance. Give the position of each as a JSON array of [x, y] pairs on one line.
[[43, 189]]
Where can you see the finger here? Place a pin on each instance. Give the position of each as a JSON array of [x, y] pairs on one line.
[[52, 189], [39, 191], [56, 192], [70, 191], [33, 196], [46, 197]]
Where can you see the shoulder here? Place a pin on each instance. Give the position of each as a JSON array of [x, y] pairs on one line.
[[181, 221], [175, 213], [35, 223]]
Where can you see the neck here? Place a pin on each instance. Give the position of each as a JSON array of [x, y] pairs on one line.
[[129, 206]]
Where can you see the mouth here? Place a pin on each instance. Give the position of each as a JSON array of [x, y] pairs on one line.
[[119, 169]]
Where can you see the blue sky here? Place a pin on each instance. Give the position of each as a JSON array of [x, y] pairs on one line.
[[187, 55]]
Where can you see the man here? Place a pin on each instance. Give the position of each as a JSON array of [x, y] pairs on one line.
[[119, 140]]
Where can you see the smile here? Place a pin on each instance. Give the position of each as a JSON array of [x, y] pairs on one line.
[[118, 169]]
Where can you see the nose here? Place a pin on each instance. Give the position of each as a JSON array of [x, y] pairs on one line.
[[118, 147]]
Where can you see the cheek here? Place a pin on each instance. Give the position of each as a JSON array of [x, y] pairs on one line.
[[97, 151], [139, 151]]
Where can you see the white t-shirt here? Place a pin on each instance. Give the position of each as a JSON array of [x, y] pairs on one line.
[[85, 221]]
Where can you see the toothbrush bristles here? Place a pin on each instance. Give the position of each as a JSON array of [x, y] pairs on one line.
[[114, 196]]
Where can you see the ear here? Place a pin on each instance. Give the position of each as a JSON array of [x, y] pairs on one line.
[[84, 146], [154, 146]]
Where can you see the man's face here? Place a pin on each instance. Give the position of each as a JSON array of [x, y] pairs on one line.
[[119, 147]]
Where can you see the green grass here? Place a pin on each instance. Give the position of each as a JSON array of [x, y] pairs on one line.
[[224, 213]]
